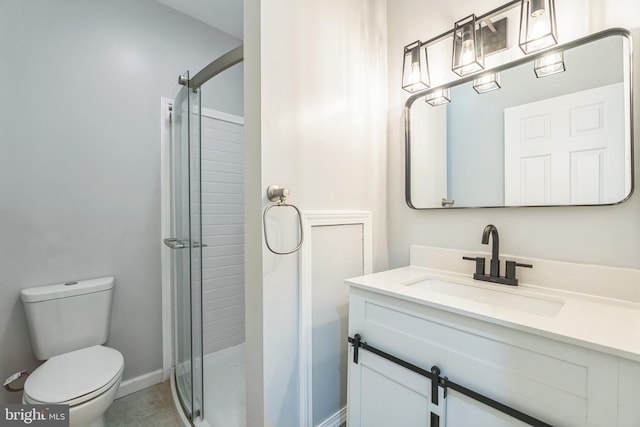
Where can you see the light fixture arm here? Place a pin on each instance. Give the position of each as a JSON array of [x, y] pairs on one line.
[[491, 13]]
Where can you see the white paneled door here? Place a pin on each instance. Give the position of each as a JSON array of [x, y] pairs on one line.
[[337, 245], [566, 150], [384, 394]]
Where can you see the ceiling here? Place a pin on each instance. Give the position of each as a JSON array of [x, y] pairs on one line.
[[225, 15]]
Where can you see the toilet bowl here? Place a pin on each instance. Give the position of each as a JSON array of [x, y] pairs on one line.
[[68, 323], [86, 380]]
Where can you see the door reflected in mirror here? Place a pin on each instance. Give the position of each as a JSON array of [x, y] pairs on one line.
[[562, 139]]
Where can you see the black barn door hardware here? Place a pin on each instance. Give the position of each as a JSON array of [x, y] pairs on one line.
[[445, 383]]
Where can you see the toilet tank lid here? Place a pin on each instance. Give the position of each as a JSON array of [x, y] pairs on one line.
[[67, 289]]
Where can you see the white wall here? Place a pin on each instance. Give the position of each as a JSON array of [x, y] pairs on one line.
[[223, 231], [606, 235], [254, 292], [80, 156], [323, 135]]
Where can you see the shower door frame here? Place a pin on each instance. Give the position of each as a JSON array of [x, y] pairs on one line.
[[168, 289], [181, 205], [219, 65]]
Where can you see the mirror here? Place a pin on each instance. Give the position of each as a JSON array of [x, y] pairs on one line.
[[563, 139]]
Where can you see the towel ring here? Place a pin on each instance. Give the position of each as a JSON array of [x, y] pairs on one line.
[[279, 196]]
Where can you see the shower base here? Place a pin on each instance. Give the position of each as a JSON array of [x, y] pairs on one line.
[[224, 390]]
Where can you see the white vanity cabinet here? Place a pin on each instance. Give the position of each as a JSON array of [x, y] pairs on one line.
[[557, 382]]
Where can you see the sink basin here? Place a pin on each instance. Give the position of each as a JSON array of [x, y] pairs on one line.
[[493, 298]]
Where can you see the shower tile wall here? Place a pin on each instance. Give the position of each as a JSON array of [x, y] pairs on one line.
[[223, 232]]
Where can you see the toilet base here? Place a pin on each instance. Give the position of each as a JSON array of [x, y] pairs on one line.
[[91, 413]]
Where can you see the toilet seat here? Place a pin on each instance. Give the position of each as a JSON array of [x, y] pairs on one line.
[[75, 377]]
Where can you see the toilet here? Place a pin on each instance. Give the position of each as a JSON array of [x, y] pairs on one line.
[[68, 323]]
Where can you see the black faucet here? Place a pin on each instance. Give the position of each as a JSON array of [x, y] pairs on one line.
[[491, 230], [494, 271]]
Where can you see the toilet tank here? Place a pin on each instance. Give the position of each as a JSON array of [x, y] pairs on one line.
[[68, 316]]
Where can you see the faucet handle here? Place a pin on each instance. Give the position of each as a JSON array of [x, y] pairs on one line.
[[479, 264], [511, 269]]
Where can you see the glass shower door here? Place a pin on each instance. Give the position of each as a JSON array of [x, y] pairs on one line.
[[185, 242]]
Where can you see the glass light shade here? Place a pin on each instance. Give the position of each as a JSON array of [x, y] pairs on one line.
[[487, 82], [438, 97], [468, 54], [415, 69], [537, 25], [549, 64]]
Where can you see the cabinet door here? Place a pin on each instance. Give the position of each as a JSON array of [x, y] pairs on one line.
[[462, 411], [383, 394]]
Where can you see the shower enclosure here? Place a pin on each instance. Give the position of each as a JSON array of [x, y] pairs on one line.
[[208, 377]]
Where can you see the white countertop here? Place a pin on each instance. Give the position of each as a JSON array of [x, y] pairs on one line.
[[604, 324]]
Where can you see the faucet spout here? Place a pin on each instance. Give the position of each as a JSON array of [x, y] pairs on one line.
[[494, 274], [491, 230]]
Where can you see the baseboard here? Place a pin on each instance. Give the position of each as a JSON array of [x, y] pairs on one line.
[[138, 383], [336, 420]]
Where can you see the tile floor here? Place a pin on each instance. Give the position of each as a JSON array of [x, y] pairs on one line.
[[224, 397], [149, 407]]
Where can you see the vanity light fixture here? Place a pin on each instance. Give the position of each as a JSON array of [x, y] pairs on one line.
[[468, 54], [549, 64], [438, 97], [487, 82], [415, 70], [473, 39], [537, 25], [477, 37]]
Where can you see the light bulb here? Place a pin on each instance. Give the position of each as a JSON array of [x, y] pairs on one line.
[[467, 54], [467, 47], [549, 64], [538, 29], [487, 82], [539, 26], [548, 60], [415, 72], [438, 97], [467, 51]]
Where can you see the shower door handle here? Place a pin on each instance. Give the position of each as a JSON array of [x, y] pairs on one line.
[[174, 243]]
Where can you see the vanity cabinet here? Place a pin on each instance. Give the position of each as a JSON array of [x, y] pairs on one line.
[[560, 383]]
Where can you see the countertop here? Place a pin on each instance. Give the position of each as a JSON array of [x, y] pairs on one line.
[[604, 324]]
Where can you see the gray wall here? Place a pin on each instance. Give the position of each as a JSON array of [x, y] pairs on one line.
[[475, 123], [80, 156]]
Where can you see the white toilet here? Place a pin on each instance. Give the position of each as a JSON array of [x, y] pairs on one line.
[[68, 324]]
